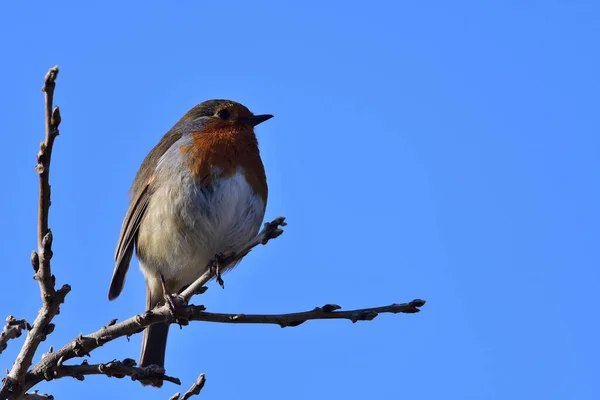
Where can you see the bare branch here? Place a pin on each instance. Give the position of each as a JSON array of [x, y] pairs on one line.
[[83, 345], [116, 369], [12, 330], [37, 396], [328, 311], [52, 120], [12, 385], [195, 389]]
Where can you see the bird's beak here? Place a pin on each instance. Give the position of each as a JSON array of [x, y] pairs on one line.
[[258, 119]]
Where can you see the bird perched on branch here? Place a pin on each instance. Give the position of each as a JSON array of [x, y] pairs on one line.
[[201, 191]]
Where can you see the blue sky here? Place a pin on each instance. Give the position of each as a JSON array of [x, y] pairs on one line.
[[447, 151]]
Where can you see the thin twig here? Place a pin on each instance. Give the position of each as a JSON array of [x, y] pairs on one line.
[[12, 330], [37, 396], [52, 120], [116, 369], [194, 390], [12, 385], [328, 311]]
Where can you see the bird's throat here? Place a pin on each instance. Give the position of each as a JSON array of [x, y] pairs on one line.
[[221, 152]]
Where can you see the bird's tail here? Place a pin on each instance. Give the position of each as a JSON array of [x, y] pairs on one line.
[[154, 343]]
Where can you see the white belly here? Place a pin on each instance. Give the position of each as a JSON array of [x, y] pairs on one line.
[[187, 223]]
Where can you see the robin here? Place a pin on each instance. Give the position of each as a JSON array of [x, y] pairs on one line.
[[201, 191]]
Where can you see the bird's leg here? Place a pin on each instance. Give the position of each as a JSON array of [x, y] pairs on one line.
[[173, 300], [215, 266]]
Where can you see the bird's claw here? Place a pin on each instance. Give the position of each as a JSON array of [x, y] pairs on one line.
[[173, 301], [215, 267]]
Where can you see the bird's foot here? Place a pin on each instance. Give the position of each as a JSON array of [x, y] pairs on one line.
[[215, 267]]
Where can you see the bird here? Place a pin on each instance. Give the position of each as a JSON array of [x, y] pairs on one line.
[[200, 192]]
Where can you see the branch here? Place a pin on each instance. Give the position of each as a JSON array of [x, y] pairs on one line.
[[83, 345], [52, 120], [195, 389], [37, 396], [12, 330], [12, 385], [116, 369], [328, 311]]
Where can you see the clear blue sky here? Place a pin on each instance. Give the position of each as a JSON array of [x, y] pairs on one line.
[[447, 151]]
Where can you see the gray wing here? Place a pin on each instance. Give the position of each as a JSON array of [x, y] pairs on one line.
[[129, 230]]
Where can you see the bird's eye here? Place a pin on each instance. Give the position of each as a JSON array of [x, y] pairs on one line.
[[223, 114]]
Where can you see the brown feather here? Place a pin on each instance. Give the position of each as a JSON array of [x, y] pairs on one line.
[[226, 146]]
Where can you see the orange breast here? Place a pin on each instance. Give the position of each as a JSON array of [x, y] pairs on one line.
[[219, 151]]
